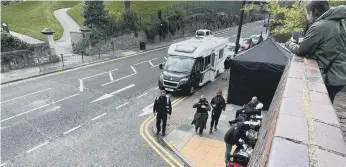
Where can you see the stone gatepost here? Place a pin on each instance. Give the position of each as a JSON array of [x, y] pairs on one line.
[[86, 35], [48, 38]]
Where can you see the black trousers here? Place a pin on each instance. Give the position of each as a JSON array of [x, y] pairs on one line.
[[214, 120], [158, 123], [238, 112], [200, 130], [333, 90]]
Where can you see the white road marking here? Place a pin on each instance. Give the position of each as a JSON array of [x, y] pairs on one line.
[[122, 105], [99, 74], [142, 95], [99, 116], [40, 107], [37, 147], [140, 63], [147, 110], [165, 58], [69, 131], [106, 96], [111, 76], [118, 79], [81, 87], [134, 70], [156, 88], [25, 95], [152, 65]]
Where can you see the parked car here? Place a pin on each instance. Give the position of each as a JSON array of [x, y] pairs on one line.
[[245, 44], [231, 50], [255, 39], [204, 33]]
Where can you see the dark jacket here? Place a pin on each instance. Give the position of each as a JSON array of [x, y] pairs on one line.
[[202, 106], [324, 40], [162, 106], [236, 132], [201, 116], [218, 103], [252, 104], [227, 63]]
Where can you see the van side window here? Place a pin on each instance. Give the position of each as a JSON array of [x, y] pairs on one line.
[[207, 61], [199, 65], [207, 33], [221, 53]]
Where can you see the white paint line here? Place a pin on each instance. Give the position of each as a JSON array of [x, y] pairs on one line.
[[122, 105], [69, 131], [156, 88], [99, 74], [81, 87], [147, 110], [25, 95], [111, 76], [40, 107], [152, 65], [106, 96], [37, 147], [142, 95], [99, 116], [140, 63], [165, 58], [134, 70], [155, 66], [118, 79]]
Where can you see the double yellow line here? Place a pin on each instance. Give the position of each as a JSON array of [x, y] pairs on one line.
[[162, 152]]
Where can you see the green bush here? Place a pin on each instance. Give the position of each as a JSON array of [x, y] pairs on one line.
[[11, 43], [129, 22]]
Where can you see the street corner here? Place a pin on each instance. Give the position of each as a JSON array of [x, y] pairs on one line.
[[128, 53]]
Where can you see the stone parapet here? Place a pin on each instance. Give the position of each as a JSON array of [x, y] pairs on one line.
[[301, 128]]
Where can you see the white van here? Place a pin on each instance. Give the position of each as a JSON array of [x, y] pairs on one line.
[[193, 63], [203, 33]]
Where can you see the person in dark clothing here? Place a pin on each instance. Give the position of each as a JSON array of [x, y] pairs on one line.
[[245, 114], [201, 115], [163, 107], [251, 105], [232, 136], [227, 66], [325, 41], [218, 104]]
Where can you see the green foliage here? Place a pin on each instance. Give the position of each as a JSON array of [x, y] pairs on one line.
[[31, 17], [176, 20], [130, 22], [94, 13], [151, 30], [10, 43]]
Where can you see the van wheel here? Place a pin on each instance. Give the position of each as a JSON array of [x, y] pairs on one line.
[[191, 90]]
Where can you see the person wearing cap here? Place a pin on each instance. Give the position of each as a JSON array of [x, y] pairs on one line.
[[218, 104], [162, 107], [201, 116]]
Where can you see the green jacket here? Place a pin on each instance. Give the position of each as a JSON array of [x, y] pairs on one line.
[[324, 40]]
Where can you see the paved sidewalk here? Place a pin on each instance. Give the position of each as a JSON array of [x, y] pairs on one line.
[[205, 151]]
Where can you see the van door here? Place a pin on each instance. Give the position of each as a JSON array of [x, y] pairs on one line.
[[197, 76], [206, 70]]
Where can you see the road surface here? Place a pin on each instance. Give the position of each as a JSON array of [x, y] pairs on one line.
[[85, 117]]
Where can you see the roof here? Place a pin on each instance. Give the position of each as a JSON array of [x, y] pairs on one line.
[[266, 52], [197, 47]]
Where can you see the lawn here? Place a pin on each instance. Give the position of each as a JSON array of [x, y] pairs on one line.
[[31, 17], [143, 8]]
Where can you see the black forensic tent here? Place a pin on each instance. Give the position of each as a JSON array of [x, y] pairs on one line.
[[257, 72]]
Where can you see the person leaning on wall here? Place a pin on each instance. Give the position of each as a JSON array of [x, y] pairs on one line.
[[325, 41]]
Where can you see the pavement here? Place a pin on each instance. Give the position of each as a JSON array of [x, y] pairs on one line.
[[86, 116], [208, 150], [340, 107]]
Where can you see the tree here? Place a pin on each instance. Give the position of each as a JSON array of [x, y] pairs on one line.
[[127, 4], [94, 13]]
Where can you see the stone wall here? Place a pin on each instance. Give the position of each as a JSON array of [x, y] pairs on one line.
[[301, 127]]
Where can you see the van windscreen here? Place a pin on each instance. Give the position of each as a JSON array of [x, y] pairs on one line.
[[179, 64]]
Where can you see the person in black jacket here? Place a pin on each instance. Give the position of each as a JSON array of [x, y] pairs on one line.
[[251, 105], [218, 103], [163, 107], [227, 66], [246, 113], [201, 116], [232, 136]]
